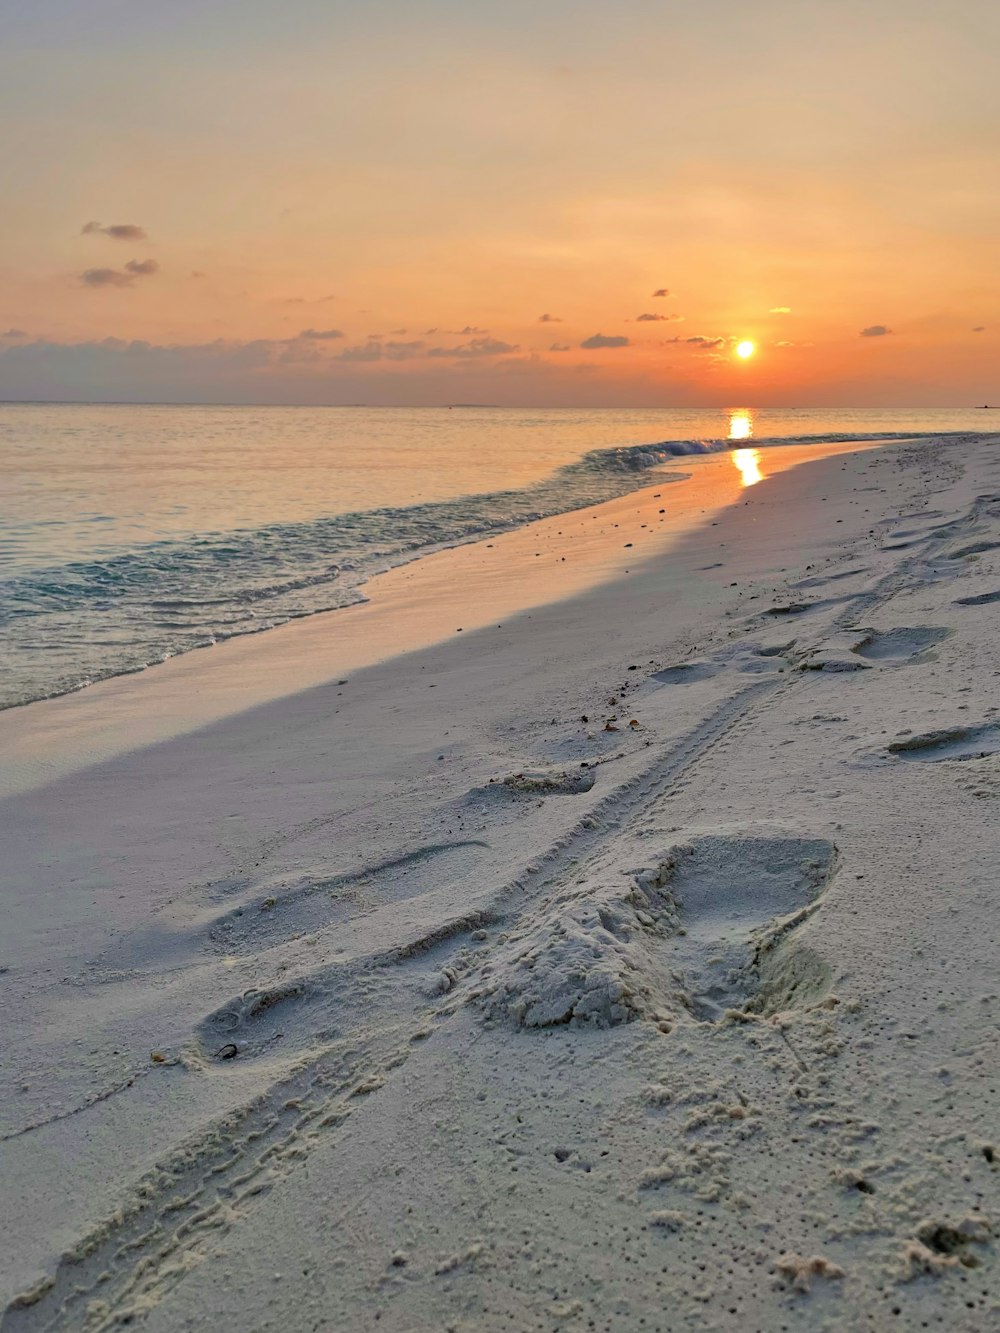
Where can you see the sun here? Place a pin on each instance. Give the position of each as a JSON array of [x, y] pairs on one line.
[[745, 349]]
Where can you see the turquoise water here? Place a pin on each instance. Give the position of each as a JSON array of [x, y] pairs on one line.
[[129, 534]]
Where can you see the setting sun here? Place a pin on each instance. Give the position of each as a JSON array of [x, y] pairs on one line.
[[745, 349]]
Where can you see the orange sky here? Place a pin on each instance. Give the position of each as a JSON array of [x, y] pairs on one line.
[[423, 182]]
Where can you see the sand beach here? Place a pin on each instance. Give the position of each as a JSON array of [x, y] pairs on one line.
[[626, 960]]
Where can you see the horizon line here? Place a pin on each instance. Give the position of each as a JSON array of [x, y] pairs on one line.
[[511, 407]]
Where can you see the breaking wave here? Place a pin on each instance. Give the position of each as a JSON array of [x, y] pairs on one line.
[[68, 626]]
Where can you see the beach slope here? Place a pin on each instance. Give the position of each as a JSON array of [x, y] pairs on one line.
[[631, 965]]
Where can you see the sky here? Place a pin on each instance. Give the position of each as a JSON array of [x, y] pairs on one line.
[[546, 203]]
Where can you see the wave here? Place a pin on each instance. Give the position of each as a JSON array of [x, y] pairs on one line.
[[85, 621]]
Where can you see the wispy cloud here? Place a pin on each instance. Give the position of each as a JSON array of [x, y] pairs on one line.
[[107, 277], [662, 291], [780, 310], [126, 357], [470, 331], [597, 340], [875, 331], [119, 277], [363, 352], [375, 350], [118, 231], [13, 333], [303, 300], [699, 340], [474, 348], [549, 319], [659, 319], [980, 328], [319, 335], [560, 347]]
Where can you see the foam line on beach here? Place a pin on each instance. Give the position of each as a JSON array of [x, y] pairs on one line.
[[68, 626]]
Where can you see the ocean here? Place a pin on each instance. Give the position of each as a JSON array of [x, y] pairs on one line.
[[129, 534]]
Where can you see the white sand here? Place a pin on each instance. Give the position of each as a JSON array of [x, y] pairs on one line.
[[708, 1042]]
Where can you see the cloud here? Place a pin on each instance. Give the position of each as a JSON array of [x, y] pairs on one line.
[[303, 300], [659, 319], [260, 370], [118, 231], [383, 351], [980, 328], [560, 347], [875, 331], [662, 291], [780, 310], [319, 335], [116, 277], [469, 331], [400, 351], [699, 340], [549, 319], [106, 277], [531, 364], [604, 340], [476, 347], [132, 365], [14, 333], [365, 352]]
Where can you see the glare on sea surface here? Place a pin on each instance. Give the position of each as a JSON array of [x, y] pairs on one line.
[[740, 424], [748, 463], [745, 348]]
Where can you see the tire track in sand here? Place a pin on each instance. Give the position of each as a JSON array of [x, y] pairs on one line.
[[200, 1192]]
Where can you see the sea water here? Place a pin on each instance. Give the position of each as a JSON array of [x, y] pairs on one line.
[[129, 534]]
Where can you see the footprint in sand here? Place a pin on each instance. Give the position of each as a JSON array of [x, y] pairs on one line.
[[287, 911], [738, 899], [975, 548], [250, 1023], [901, 645], [983, 599], [708, 929], [548, 782], [950, 743], [687, 673], [749, 659], [856, 649], [821, 580]]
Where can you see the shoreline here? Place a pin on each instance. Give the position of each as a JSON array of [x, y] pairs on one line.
[[408, 607], [453, 999], [326, 561]]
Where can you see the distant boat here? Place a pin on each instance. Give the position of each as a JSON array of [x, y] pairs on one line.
[[986, 408]]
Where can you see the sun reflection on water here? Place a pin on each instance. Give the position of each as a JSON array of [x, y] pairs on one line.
[[748, 462], [740, 424]]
